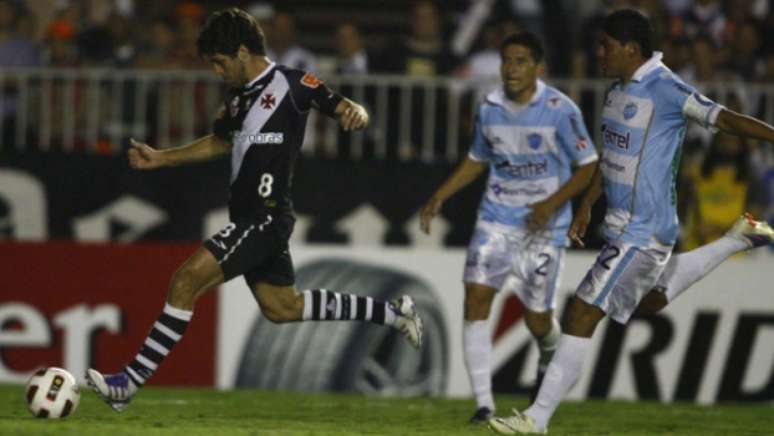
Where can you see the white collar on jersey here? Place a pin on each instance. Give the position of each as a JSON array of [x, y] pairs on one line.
[[499, 98], [649, 65], [260, 76]]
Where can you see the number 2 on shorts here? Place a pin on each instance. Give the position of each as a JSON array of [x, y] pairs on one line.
[[542, 270], [609, 253]]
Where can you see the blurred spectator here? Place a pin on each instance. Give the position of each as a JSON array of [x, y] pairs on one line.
[[528, 12], [93, 38], [745, 48], [706, 16], [702, 64], [283, 47], [122, 41], [351, 56], [16, 50], [26, 26], [485, 63], [423, 52], [677, 54], [723, 189], [739, 12], [60, 43], [677, 7], [104, 33], [189, 17], [159, 47]]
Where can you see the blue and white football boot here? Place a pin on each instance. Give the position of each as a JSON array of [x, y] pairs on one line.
[[114, 389]]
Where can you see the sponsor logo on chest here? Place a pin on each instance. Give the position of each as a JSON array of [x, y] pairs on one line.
[[615, 139], [529, 169]]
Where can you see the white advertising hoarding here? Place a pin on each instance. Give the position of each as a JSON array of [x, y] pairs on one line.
[[684, 352]]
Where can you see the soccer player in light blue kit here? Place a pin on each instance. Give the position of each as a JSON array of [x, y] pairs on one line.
[[529, 135], [644, 121]]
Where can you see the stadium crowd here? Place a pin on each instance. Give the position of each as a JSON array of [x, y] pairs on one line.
[[452, 37], [728, 41]]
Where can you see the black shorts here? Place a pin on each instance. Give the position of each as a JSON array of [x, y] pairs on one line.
[[257, 249]]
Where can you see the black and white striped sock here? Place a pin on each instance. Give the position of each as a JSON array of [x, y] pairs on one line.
[[324, 305], [166, 332]]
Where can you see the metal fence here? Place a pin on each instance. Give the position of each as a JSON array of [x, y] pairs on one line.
[[430, 120]]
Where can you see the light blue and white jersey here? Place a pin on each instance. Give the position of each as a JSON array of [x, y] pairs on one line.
[[530, 150], [643, 124]]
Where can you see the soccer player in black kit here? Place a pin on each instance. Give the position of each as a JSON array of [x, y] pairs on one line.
[[262, 126]]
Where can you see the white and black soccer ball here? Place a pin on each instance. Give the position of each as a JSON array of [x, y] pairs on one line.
[[52, 393]]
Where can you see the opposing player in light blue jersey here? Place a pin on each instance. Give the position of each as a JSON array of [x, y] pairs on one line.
[[530, 136], [644, 120]]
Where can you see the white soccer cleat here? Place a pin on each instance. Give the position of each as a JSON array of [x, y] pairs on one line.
[[519, 423], [408, 321], [114, 389], [751, 232]]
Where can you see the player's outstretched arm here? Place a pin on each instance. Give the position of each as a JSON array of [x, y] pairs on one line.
[[465, 173], [144, 157], [582, 217], [543, 210], [743, 125], [352, 116]]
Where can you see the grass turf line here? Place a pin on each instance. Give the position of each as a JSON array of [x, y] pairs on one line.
[[191, 412]]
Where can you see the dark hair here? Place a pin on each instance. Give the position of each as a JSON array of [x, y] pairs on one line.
[[226, 30], [628, 25], [527, 39]]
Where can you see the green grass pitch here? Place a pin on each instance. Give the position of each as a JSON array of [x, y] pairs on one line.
[[192, 412]]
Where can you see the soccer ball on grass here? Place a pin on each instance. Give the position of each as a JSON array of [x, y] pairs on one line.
[[52, 393]]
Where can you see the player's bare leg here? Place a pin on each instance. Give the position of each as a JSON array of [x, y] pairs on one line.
[[198, 274], [564, 370], [685, 269], [281, 304], [477, 348]]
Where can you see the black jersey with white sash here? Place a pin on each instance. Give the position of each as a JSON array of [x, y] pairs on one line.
[[265, 123]]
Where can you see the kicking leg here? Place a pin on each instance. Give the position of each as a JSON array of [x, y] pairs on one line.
[[477, 348], [685, 269], [282, 304], [198, 274]]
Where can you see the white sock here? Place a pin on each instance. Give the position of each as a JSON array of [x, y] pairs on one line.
[[547, 344], [685, 269], [563, 371], [477, 345]]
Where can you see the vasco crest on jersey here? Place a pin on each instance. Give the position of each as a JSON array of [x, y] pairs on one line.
[[268, 101]]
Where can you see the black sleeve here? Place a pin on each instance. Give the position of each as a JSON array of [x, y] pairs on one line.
[[220, 127], [310, 92]]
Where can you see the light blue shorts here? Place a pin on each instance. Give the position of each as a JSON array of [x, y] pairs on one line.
[[518, 262], [621, 276]]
